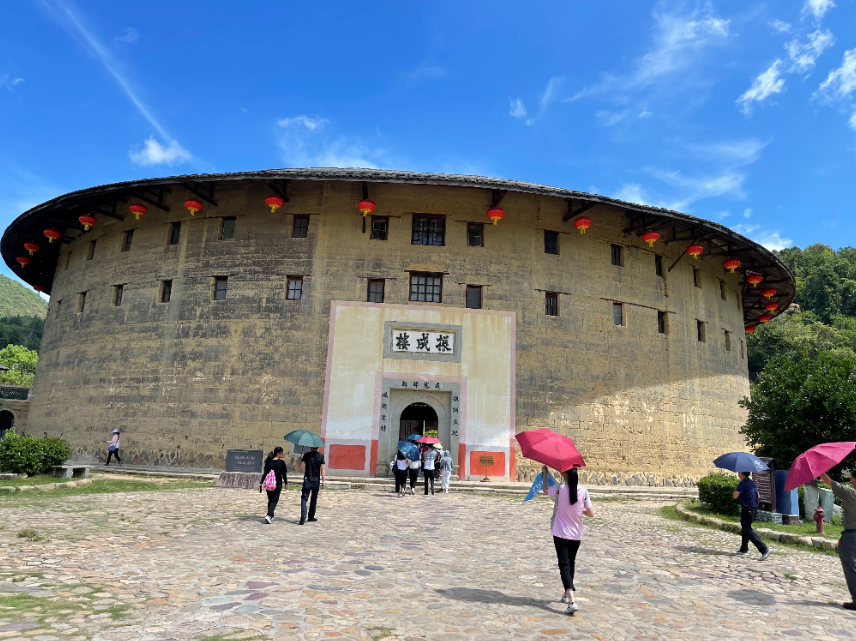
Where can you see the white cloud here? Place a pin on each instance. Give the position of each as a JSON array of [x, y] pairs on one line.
[[728, 183], [8, 82], [736, 153], [304, 143], [518, 109], [747, 212], [779, 26], [306, 121], [632, 193], [131, 36], [610, 118], [804, 55], [817, 8], [428, 72], [852, 121], [153, 153], [764, 86], [773, 241], [745, 230], [841, 82]]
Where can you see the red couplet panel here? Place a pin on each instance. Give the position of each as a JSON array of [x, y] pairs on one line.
[[477, 464], [347, 457]]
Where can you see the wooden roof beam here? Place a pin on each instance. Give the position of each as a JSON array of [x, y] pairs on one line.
[[496, 196], [196, 190], [574, 213]]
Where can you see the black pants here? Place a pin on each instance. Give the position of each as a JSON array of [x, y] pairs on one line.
[[429, 476], [747, 515], [310, 487], [273, 499], [400, 479], [566, 551], [111, 454], [413, 473]]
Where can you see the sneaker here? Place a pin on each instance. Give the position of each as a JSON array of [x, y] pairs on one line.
[[742, 552], [302, 520], [572, 607], [767, 553], [564, 598], [267, 520]]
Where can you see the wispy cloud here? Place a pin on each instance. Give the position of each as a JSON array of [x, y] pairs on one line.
[[695, 188], [153, 153], [771, 240], [428, 72], [130, 37], [804, 55], [304, 143], [840, 82], [779, 26], [608, 118], [307, 121], [816, 8], [632, 193], [518, 109], [549, 96], [747, 212], [764, 86], [735, 153], [10, 82]]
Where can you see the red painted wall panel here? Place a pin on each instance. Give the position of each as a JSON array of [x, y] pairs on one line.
[[347, 457]]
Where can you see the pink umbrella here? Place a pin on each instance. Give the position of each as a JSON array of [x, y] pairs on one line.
[[550, 449], [428, 439], [815, 461]]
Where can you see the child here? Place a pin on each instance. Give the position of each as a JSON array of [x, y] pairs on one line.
[[446, 469]]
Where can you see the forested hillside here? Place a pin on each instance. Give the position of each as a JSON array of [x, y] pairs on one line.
[[17, 300]]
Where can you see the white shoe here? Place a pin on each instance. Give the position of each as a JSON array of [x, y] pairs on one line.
[[267, 520], [572, 607], [564, 598]]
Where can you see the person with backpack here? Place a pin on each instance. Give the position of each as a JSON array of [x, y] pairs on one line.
[[446, 465], [572, 503], [274, 480], [429, 458], [413, 475], [113, 448], [747, 494], [400, 466]]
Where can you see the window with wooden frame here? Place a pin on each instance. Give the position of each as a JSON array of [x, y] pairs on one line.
[[295, 288], [376, 290], [615, 254], [300, 227], [127, 240], [429, 230], [474, 297], [174, 233], [426, 287], [551, 303], [475, 235], [118, 292], [165, 291], [227, 228], [221, 286], [90, 250], [618, 314], [551, 242], [380, 228]]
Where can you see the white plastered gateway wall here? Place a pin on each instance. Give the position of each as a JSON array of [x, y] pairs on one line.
[[381, 357]]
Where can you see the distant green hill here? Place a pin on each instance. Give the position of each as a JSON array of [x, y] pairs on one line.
[[17, 300]]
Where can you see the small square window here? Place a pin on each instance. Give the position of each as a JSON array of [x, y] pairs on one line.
[[700, 332], [722, 290], [551, 242], [126, 243], [376, 290], [429, 230], [221, 286], [301, 227], [475, 235], [165, 291], [615, 253], [426, 288], [295, 288], [174, 233], [118, 291], [551, 304], [662, 322], [618, 314], [227, 229], [81, 302], [474, 296], [90, 250], [380, 228], [658, 265], [696, 278]]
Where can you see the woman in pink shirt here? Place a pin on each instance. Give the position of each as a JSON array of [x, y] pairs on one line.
[[572, 503]]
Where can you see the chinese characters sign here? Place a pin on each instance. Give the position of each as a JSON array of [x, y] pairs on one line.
[[419, 342]]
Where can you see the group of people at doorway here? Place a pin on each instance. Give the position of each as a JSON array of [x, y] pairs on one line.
[[275, 480], [431, 462]]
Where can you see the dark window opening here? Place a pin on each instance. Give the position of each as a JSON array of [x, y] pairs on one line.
[[551, 304], [129, 237], [380, 228], [174, 233], [741, 347], [661, 322], [81, 302], [700, 333], [616, 255], [618, 314], [696, 278], [727, 341], [658, 265], [475, 235], [551, 242], [300, 229], [429, 230], [417, 418], [426, 288], [66, 261], [221, 285], [90, 250], [227, 229], [57, 308], [722, 290], [474, 296], [295, 288], [166, 291], [376, 290], [118, 291]]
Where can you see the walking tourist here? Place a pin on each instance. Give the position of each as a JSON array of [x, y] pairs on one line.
[[429, 458], [113, 448], [446, 469], [413, 475], [275, 464], [400, 466], [314, 478], [847, 543], [572, 502], [747, 494]]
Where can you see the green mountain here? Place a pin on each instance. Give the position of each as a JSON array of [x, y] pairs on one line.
[[17, 300]]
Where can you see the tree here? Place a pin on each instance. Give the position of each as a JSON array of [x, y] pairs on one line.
[[21, 363], [799, 403]]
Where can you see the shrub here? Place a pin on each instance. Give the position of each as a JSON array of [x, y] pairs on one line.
[[717, 490], [28, 455]]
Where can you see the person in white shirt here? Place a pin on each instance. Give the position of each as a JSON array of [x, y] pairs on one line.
[[400, 471], [413, 474]]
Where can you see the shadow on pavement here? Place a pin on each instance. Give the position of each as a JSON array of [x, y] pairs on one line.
[[472, 595], [700, 550], [823, 604], [751, 597]]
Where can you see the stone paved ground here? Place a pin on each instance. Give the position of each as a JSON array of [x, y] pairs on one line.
[[194, 563]]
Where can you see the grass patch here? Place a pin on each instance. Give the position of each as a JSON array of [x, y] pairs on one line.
[[377, 633], [229, 636], [831, 531], [41, 479], [101, 486], [35, 609], [30, 534]]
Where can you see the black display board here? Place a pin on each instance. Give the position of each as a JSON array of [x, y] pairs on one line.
[[245, 461]]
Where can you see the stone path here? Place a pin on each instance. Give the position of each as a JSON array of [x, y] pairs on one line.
[[194, 563]]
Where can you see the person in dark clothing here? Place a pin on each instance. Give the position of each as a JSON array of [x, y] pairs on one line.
[[314, 478], [275, 464], [747, 494]]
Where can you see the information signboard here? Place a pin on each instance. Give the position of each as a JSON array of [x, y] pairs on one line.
[[245, 461]]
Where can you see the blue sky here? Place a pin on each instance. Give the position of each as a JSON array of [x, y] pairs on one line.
[[735, 111]]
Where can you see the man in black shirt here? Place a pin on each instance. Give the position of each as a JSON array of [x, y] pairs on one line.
[[314, 478]]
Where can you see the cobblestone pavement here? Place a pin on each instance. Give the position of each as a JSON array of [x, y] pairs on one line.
[[194, 563]]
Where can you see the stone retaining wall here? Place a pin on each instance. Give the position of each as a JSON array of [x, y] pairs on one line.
[[640, 479]]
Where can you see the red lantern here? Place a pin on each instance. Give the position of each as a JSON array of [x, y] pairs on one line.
[[274, 202], [754, 279], [650, 237], [769, 292], [582, 223], [39, 288], [763, 318], [87, 221], [694, 251], [138, 209], [192, 205], [23, 260], [732, 264], [52, 234], [495, 214], [771, 306], [367, 206], [749, 329], [31, 247]]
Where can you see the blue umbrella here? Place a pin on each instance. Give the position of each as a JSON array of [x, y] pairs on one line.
[[302, 437], [740, 462], [409, 450], [414, 437]]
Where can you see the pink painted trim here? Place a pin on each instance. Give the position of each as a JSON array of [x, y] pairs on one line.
[[328, 373], [513, 382]]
